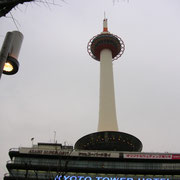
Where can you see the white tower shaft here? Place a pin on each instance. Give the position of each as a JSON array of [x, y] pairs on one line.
[[107, 109]]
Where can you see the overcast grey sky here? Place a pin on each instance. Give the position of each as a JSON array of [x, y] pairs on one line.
[[57, 86]]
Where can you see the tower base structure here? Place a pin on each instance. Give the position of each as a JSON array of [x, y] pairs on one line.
[[110, 141]]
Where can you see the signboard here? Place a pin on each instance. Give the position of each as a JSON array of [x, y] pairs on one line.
[[147, 156], [101, 154], [176, 156], [66, 177], [69, 153]]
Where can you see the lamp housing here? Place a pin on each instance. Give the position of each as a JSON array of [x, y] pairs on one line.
[[11, 65]]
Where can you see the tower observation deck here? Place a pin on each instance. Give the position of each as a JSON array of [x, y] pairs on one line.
[[106, 47]]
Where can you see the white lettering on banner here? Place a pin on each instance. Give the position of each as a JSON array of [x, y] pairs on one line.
[[64, 153], [60, 177], [176, 156], [50, 152], [96, 154], [148, 156], [100, 154]]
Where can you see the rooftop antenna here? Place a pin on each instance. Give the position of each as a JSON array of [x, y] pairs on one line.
[[32, 140], [55, 137]]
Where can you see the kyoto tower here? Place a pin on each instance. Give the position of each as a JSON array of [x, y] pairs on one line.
[[105, 48]]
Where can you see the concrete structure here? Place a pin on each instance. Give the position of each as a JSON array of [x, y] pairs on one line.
[[106, 47], [107, 107], [46, 161]]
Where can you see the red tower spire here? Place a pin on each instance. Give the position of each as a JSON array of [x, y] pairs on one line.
[[105, 26]]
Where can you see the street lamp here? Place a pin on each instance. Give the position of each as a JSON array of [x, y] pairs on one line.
[[9, 53]]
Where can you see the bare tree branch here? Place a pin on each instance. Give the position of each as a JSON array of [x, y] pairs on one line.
[[7, 5]]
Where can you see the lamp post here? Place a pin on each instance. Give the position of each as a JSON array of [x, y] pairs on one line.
[[9, 53]]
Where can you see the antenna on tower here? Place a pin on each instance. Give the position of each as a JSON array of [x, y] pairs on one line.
[[105, 26], [104, 15]]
